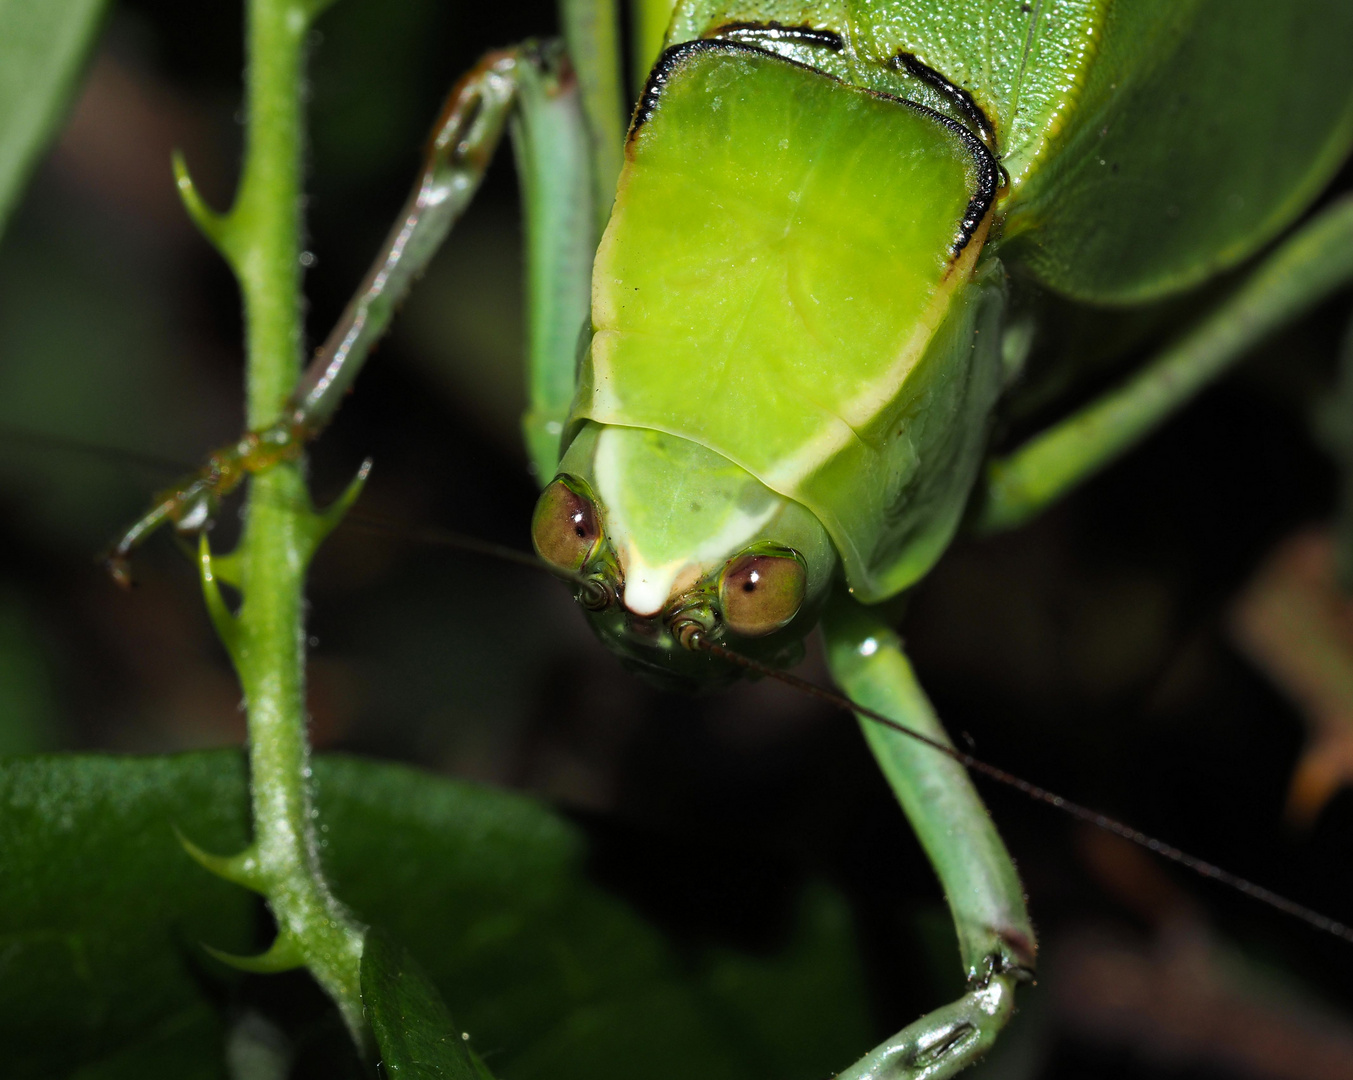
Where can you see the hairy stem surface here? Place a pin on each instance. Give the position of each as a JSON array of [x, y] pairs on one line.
[[261, 239]]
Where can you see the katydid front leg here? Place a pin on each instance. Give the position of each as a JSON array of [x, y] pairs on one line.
[[534, 82], [995, 938]]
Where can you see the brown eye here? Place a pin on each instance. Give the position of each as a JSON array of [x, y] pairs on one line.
[[761, 593], [564, 527]]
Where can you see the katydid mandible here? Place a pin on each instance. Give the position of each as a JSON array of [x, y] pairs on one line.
[[801, 264]]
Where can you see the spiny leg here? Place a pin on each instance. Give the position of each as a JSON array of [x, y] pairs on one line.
[[462, 143], [1306, 268], [995, 937]]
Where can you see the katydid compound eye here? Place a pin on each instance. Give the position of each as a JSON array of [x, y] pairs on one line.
[[761, 593], [564, 527]]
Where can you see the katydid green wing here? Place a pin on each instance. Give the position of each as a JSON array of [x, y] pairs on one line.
[[1201, 131]]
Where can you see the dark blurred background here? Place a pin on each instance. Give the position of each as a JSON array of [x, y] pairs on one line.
[[1090, 652]]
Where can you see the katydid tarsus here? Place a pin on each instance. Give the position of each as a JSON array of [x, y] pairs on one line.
[[828, 218]]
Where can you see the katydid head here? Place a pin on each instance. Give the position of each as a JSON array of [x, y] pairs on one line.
[[668, 541]]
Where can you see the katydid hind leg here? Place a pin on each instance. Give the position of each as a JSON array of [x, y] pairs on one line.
[[1314, 262], [996, 939]]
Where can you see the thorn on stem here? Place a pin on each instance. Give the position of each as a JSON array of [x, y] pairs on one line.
[[325, 521], [227, 627], [240, 869], [283, 955], [213, 225]]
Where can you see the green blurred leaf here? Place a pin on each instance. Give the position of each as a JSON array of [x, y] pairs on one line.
[[415, 1033], [550, 976], [102, 912], [42, 44], [185, 1045]]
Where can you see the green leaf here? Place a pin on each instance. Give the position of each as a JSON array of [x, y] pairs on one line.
[[102, 911], [103, 914], [414, 1031], [42, 45], [551, 977]]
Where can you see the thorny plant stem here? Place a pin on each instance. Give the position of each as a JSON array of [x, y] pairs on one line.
[[261, 239]]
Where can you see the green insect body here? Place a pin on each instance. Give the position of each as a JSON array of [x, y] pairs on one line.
[[807, 295], [820, 331], [814, 328], [797, 273]]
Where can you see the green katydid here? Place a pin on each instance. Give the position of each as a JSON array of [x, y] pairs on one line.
[[798, 316]]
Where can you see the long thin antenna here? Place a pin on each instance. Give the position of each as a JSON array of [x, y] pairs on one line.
[[355, 521], [359, 522], [1041, 794], [66, 444]]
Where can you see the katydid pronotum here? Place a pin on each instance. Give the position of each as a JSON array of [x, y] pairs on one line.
[[759, 188]]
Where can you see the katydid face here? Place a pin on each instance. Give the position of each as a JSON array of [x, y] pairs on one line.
[[787, 293], [670, 538]]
